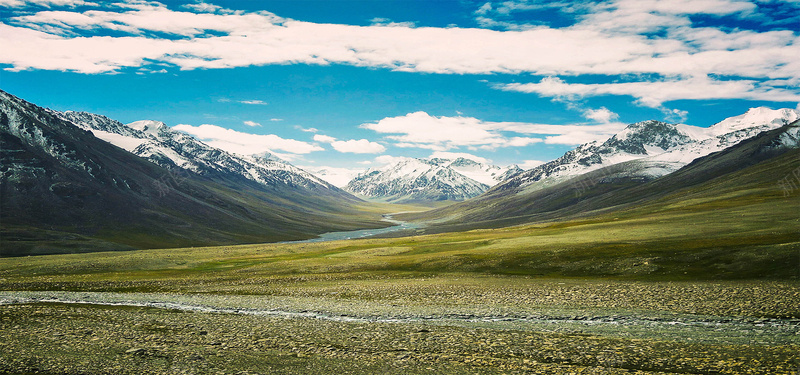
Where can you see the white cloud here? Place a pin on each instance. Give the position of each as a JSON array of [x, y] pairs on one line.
[[302, 129], [355, 146], [252, 123], [655, 93], [360, 146], [379, 21], [324, 138], [254, 102], [456, 155], [251, 102], [258, 39], [45, 3], [522, 141], [610, 38], [337, 176], [206, 8], [421, 130], [528, 164], [244, 143], [602, 115], [388, 159]]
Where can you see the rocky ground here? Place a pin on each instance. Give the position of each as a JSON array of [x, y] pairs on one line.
[[412, 326]]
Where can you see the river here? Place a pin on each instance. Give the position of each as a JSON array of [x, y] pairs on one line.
[[362, 233]]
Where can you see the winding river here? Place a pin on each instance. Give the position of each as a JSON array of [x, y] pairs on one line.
[[362, 233]]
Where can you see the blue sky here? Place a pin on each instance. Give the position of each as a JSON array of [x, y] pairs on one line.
[[347, 85]]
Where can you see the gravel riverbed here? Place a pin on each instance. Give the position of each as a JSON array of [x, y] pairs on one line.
[[318, 333]]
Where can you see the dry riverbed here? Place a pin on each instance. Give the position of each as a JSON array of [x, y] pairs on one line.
[[396, 326]]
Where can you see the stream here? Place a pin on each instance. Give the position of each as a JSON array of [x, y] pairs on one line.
[[696, 328], [362, 233]]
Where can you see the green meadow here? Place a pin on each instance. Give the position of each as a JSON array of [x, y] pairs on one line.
[[705, 281]]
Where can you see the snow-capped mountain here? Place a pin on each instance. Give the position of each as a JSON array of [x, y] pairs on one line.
[[484, 173], [411, 179], [652, 149], [338, 177], [726, 133], [160, 144], [64, 189]]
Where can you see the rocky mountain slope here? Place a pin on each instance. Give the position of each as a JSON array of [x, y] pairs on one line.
[[158, 143], [659, 148], [62, 189]]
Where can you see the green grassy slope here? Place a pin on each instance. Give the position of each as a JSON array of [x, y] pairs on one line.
[[742, 226]]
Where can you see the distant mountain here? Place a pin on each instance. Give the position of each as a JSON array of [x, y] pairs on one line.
[[424, 180], [658, 148], [171, 149], [484, 173], [62, 189], [645, 162]]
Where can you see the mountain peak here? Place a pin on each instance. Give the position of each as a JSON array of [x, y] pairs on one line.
[[148, 126], [756, 117], [411, 179], [646, 137], [658, 148]]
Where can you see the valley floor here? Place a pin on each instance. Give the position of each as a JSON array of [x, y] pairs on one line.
[[449, 324], [684, 290]]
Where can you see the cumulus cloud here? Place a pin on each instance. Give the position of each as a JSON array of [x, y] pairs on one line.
[[421, 130], [358, 146], [601, 114], [355, 146], [324, 138], [415, 130], [252, 123], [244, 143]]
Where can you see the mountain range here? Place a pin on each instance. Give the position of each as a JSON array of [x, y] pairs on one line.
[[80, 182], [653, 149], [171, 149], [77, 182], [645, 162], [413, 180]]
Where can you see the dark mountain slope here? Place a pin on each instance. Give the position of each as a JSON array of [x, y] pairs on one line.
[[64, 190]]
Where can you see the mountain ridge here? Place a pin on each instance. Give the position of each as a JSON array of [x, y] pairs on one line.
[[614, 186], [408, 180], [62, 189], [157, 142], [661, 148]]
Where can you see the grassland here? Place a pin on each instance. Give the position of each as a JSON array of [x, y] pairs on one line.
[[706, 286], [703, 283]]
